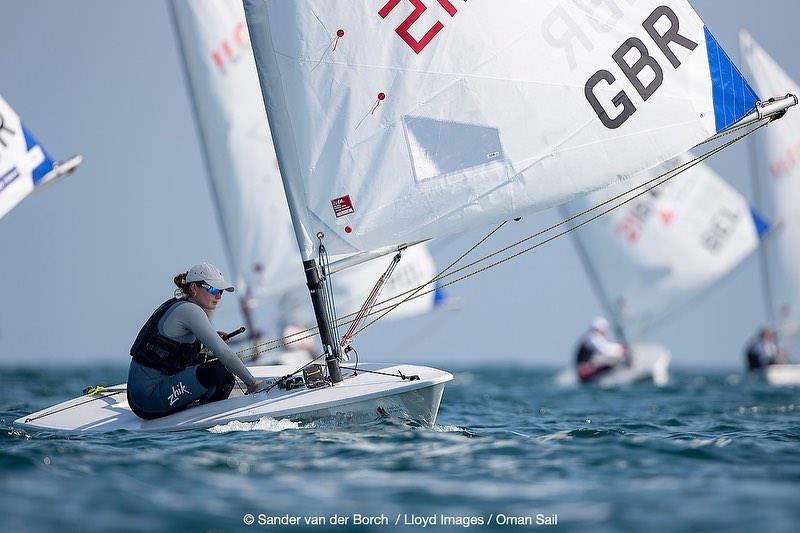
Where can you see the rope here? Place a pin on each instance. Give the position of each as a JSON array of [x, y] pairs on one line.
[[366, 308], [314, 330], [398, 375], [330, 301]]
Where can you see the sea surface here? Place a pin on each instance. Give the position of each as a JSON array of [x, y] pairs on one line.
[[511, 451]]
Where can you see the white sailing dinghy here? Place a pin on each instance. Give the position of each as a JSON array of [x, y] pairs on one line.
[[655, 254], [391, 128], [25, 166], [777, 179], [247, 188]]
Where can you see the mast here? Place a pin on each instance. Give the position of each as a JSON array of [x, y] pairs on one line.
[[596, 283], [215, 192], [766, 279], [755, 180]]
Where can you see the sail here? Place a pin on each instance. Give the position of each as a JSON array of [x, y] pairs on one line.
[[403, 120], [245, 180], [240, 159], [662, 249], [779, 181], [24, 163]]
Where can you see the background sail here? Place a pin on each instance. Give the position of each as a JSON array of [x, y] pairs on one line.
[[779, 181], [400, 121], [24, 163], [416, 268], [240, 158], [353, 285], [659, 251], [244, 176]]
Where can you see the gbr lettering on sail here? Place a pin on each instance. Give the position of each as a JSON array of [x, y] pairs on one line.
[[639, 64]]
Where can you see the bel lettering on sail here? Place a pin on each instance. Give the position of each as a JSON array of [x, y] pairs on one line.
[[633, 72]]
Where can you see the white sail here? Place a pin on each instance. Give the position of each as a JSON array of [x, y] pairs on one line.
[[24, 163], [779, 180], [662, 249], [244, 175], [247, 186], [399, 121]]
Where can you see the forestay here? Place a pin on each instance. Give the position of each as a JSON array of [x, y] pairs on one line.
[[662, 249], [398, 121], [779, 180], [244, 176], [24, 163]]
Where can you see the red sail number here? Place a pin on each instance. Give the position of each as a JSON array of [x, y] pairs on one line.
[[419, 8]]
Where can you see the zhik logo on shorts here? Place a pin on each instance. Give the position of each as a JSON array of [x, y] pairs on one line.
[[177, 390]]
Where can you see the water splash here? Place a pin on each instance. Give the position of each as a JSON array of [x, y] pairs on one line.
[[265, 424]]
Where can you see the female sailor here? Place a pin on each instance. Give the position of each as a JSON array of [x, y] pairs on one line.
[[168, 373]]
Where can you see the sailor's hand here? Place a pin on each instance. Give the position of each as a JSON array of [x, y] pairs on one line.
[[222, 335], [258, 386]]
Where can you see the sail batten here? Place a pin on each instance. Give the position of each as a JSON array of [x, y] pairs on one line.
[[387, 133]]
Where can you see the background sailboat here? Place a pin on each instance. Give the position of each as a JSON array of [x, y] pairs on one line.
[[655, 254], [247, 188], [776, 175], [25, 166]]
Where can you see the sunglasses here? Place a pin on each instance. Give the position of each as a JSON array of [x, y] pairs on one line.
[[213, 291]]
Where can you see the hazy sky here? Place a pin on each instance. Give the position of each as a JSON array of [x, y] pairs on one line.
[[85, 262]]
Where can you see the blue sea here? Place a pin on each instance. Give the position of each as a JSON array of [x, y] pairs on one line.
[[511, 451]]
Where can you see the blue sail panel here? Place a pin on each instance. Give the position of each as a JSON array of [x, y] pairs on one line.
[[439, 295], [733, 96], [761, 224], [46, 165]]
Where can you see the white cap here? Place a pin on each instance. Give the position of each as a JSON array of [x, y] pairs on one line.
[[210, 274], [600, 324]]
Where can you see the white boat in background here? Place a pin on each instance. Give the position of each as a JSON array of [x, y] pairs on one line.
[[25, 166], [385, 140], [649, 362], [248, 192], [786, 375], [655, 254], [776, 176]]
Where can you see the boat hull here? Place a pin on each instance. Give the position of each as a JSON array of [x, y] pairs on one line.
[[360, 398], [783, 375]]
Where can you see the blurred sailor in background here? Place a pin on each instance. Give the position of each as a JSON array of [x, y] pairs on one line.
[[596, 354]]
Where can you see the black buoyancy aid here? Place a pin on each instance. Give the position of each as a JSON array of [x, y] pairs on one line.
[[156, 351], [584, 353], [753, 355]]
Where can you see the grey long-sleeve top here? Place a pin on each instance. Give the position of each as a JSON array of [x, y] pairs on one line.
[[187, 321]]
